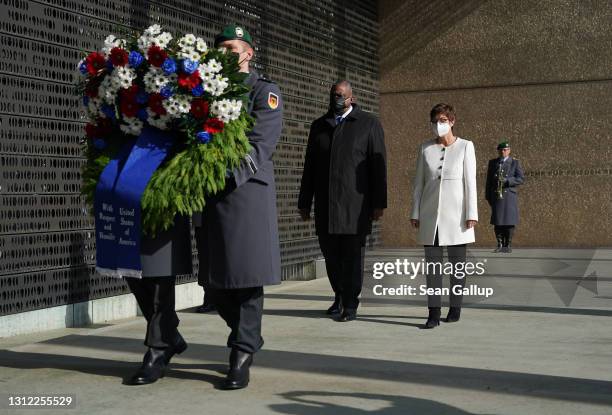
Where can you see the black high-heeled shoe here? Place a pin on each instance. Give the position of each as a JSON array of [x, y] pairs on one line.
[[433, 319]]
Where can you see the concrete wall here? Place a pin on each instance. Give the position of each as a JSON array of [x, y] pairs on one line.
[[538, 73]]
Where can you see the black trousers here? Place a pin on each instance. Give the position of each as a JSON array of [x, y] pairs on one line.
[[155, 296], [242, 309], [504, 233], [344, 256], [434, 254]]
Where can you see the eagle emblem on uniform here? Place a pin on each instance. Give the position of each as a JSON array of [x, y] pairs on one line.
[[272, 100]]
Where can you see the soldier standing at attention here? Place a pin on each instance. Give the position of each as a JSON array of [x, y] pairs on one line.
[[237, 233], [504, 174]]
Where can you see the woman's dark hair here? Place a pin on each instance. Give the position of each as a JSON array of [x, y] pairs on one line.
[[445, 109]]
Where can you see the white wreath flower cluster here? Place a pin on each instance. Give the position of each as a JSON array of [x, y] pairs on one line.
[[153, 35]]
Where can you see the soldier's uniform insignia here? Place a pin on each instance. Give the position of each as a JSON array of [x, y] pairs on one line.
[[272, 100]]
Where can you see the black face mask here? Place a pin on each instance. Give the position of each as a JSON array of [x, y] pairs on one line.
[[338, 104]]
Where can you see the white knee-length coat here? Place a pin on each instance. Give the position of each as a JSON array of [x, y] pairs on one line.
[[445, 192]]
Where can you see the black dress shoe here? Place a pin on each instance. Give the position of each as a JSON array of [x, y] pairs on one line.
[[179, 347], [347, 315], [205, 308], [153, 367], [454, 313], [433, 319], [238, 375], [336, 307]]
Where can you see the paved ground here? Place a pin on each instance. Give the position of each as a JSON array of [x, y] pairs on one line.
[[499, 359]]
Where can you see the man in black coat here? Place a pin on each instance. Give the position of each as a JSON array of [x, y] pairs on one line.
[[504, 174], [237, 234], [345, 172]]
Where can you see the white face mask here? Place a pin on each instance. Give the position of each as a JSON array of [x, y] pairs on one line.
[[440, 129]]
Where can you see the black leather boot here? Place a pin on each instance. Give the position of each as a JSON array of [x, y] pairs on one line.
[[500, 243], [509, 244], [153, 367], [238, 375], [336, 307], [434, 318], [454, 313]]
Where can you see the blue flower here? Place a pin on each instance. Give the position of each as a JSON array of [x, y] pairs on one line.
[[83, 68], [169, 66], [198, 91], [142, 97], [203, 137], [190, 66], [109, 65], [85, 100], [109, 111], [135, 59], [99, 144], [142, 114], [166, 92]]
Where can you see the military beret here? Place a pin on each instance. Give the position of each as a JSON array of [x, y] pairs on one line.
[[503, 145], [231, 32]]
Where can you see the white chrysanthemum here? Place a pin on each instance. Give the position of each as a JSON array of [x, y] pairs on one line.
[[155, 79], [153, 30], [123, 76], [226, 110], [108, 89], [162, 40], [112, 42], [131, 126], [190, 38], [172, 107], [184, 103], [200, 45], [158, 121], [194, 56], [205, 76], [216, 85], [185, 52], [214, 66], [144, 43], [93, 107]]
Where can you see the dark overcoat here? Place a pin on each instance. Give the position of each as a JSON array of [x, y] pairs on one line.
[[169, 252], [237, 233], [345, 171], [504, 211]]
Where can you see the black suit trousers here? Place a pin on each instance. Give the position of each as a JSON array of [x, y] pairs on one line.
[[434, 254], [155, 297], [344, 256], [242, 310]]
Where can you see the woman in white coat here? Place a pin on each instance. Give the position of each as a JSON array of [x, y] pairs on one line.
[[444, 207]]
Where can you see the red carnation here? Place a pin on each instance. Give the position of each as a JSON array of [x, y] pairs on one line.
[[156, 104], [199, 108], [156, 56], [119, 57], [213, 125], [189, 81], [129, 108], [91, 130], [94, 62], [129, 93]]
